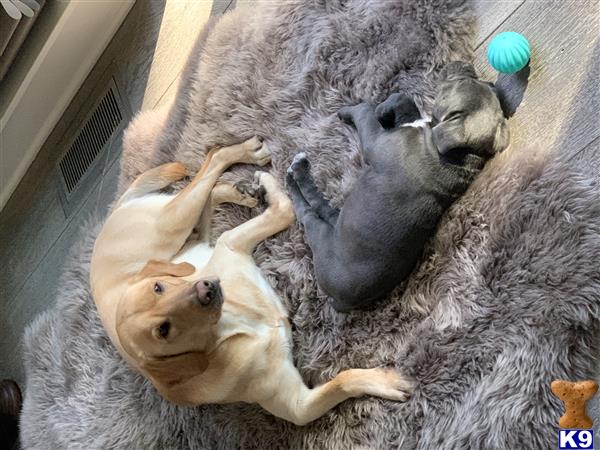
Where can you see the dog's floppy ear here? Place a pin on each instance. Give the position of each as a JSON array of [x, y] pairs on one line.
[[502, 136], [456, 70], [170, 370], [156, 268]]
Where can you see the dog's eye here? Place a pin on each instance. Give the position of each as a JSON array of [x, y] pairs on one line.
[[163, 330], [158, 288]]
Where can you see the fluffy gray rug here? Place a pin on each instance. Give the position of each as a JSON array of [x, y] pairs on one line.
[[505, 300]]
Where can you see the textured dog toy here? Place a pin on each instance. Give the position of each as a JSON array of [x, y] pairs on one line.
[[574, 395], [508, 52]]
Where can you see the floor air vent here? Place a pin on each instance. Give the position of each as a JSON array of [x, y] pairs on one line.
[[93, 137], [91, 147]]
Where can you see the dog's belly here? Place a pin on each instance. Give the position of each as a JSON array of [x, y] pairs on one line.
[[149, 201]]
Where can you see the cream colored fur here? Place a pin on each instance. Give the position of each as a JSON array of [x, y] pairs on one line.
[[235, 350]]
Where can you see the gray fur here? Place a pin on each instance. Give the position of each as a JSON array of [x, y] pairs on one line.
[[505, 300], [411, 175]]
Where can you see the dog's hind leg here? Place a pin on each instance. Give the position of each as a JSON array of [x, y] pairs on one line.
[[294, 401], [364, 119], [300, 171], [153, 180]]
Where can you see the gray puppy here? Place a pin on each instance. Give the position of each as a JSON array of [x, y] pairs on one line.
[[415, 169]]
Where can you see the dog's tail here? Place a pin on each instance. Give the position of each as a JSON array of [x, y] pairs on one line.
[[153, 180]]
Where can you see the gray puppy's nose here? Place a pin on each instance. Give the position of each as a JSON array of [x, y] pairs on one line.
[[208, 291]]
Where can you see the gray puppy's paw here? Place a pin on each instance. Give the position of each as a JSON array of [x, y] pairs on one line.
[[300, 165], [345, 114]]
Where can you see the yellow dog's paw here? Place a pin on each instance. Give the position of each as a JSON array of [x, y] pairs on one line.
[[253, 144], [276, 198], [385, 383], [258, 151], [396, 387], [251, 192]]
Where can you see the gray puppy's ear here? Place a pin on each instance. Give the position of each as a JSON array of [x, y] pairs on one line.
[[456, 70], [502, 136]]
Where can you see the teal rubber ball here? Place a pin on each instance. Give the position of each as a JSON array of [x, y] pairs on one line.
[[509, 52]]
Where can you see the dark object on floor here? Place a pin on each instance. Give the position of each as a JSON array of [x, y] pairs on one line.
[[10, 408], [10, 398], [9, 431], [504, 301], [413, 173]]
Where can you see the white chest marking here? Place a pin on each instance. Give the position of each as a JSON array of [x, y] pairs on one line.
[[420, 123], [199, 254], [196, 253]]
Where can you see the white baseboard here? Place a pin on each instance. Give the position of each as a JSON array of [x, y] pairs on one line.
[[82, 33]]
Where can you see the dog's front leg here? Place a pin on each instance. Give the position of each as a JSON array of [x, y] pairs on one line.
[[181, 214], [396, 110], [294, 401], [277, 217], [363, 117], [242, 193]]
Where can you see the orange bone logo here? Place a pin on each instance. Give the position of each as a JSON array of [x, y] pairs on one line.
[[574, 395]]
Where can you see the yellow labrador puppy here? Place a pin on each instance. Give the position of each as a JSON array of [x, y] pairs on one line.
[[202, 323]]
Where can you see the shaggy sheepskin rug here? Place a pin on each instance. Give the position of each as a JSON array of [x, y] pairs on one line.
[[504, 301]]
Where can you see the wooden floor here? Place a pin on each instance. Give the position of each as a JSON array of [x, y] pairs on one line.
[[559, 112]]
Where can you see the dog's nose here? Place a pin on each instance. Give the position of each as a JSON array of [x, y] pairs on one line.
[[208, 291]]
